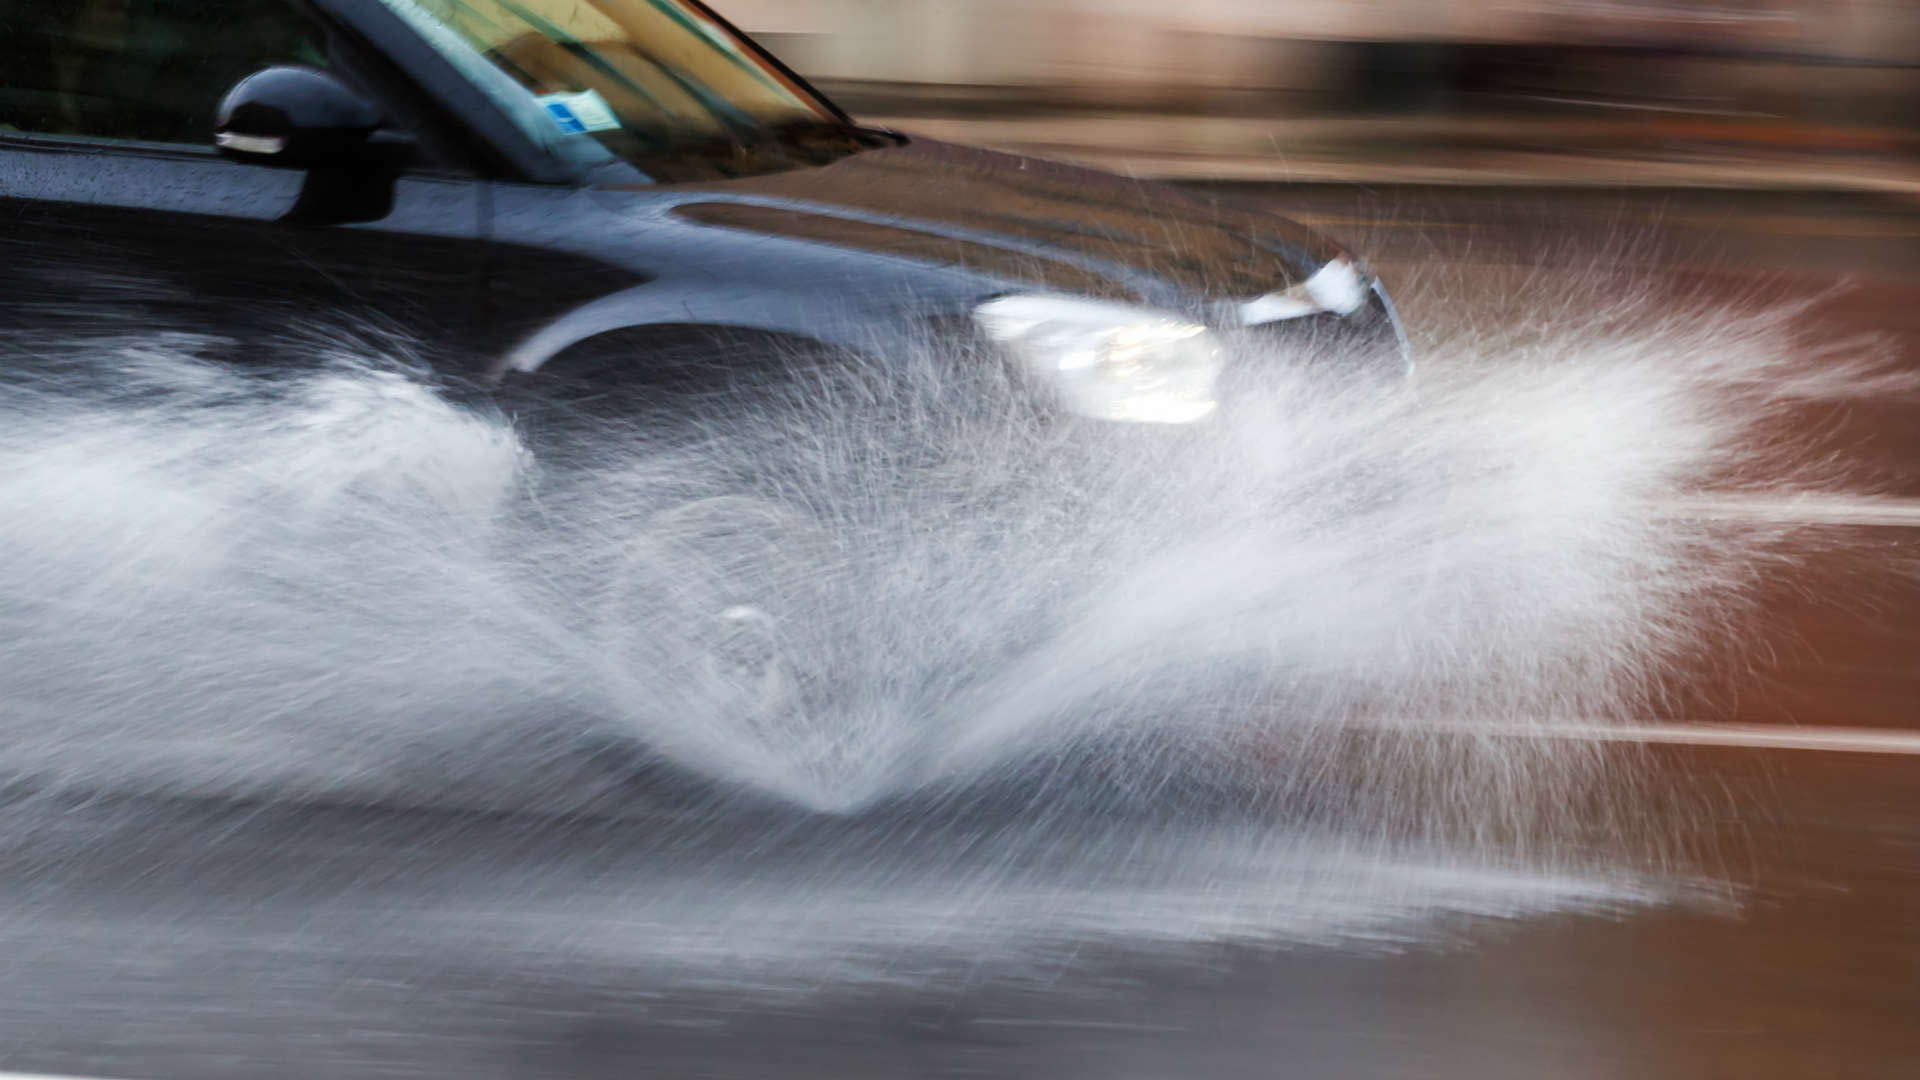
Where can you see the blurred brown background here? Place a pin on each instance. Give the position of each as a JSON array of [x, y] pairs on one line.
[[1785, 92]]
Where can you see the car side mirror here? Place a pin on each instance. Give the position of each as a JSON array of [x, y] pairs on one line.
[[296, 118]]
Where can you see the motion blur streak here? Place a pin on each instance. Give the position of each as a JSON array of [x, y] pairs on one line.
[[890, 594]]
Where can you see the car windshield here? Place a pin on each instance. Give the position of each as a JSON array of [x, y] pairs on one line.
[[660, 84]]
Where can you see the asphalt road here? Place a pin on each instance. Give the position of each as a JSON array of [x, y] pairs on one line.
[[1770, 928]]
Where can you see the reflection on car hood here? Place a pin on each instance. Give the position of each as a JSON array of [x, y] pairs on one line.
[[1021, 219]]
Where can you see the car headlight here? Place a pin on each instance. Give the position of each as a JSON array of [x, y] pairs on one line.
[[1108, 360]]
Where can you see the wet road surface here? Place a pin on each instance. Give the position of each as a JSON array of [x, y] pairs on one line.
[[342, 944], [1777, 935]]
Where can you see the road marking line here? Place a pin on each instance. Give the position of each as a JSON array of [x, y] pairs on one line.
[[1808, 508], [1752, 736]]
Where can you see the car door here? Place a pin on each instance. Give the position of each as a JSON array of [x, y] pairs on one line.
[[119, 217]]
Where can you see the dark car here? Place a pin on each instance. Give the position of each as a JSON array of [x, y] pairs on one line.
[[525, 187], [623, 225]]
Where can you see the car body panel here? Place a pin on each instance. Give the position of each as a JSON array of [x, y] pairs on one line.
[[892, 235], [107, 238], [1156, 241]]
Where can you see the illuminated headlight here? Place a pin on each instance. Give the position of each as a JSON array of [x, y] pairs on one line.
[[1109, 360]]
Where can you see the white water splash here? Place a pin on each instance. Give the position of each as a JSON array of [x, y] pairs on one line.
[[881, 584]]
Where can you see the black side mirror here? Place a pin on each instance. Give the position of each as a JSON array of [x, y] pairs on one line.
[[296, 117]]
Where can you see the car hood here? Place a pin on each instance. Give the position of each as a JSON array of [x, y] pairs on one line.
[[1021, 220]]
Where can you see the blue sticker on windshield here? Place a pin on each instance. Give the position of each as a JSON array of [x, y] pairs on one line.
[[578, 114], [563, 116]]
